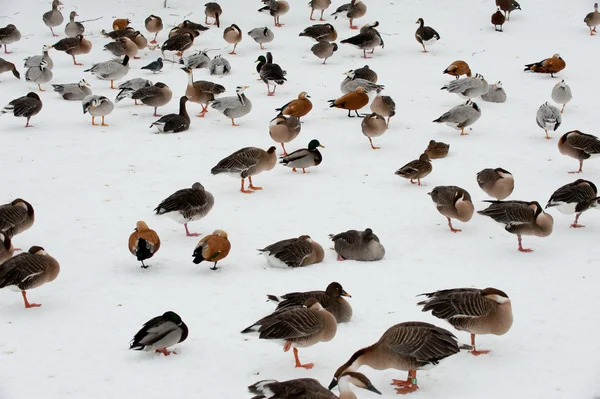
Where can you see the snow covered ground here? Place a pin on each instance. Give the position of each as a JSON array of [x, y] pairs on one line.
[[89, 186]]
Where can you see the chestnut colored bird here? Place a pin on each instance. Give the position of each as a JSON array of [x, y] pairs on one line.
[[120, 23], [549, 65], [143, 242], [212, 248], [458, 68], [297, 108], [351, 101], [498, 19]]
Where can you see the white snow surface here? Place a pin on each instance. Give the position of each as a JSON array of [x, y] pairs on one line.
[[89, 186]]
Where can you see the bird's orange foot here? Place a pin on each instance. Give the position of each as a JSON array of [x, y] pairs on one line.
[[164, 352], [193, 234], [293, 169], [233, 53], [452, 229], [412, 182], [353, 27], [475, 352], [407, 389], [548, 138], [283, 154], [201, 115], [104, 124], [526, 250], [322, 19], [137, 58], [32, 305], [271, 94], [574, 172], [247, 191], [279, 25], [464, 134], [153, 42], [254, 187], [307, 366], [401, 383], [577, 226], [375, 148]]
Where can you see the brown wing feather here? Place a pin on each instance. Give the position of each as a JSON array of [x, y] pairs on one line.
[[423, 341], [23, 270], [11, 215], [294, 323]]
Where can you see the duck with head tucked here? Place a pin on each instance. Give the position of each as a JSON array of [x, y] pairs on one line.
[[358, 245]]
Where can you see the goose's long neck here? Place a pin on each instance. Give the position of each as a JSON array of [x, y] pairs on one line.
[[190, 79], [72, 18], [345, 390], [183, 110]]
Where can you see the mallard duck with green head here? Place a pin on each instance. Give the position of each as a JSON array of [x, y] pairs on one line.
[[303, 158]]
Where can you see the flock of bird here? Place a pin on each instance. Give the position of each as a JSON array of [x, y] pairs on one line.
[[301, 319]]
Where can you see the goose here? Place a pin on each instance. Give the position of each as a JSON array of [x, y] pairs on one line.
[[548, 117], [358, 245], [297, 108], [270, 73], [194, 61], [140, 41], [154, 96], [275, 8], [367, 39], [122, 46], [117, 33], [579, 145], [212, 248], [497, 183], [320, 32], [6, 66], [73, 46], [520, 218], [233, 35], [324, 50], [153, 24], [384, 106], [495, 93], [74, 28], [110, 70], [262, 35], [284, 129], [508, 6], [426, 35], [319, 5], [409, 346], [458, 68], [154, 66], [235, 106], [8, 35], [332, 300], [478, 312], [365, 73], [16, 217], [174, 123], [219, 66], [187, 205], [551, 65], [576, 197], [6, 248], [561, 94], [352, 101], [36, 60], [245, 163], [592, 20], [143, 242], [160, 333], [498, 20], [454, 203], [293, 252], [416, 170], [201, 91], [352, 82], [299, 327], [351, 11], [178, 43], [437, 149], [192, 26], [303, 158], [97, 106], [53, 18], [468, 88], [213, 10], [373, 125], [39, 74], [461, 116], [130, 86], [26, 107]]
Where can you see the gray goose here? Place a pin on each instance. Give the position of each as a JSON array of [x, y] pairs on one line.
[[454, 203], [426, 35], [358, 245], [74, 28], [110, 70], [245, 163], [384, 106], [36, 60], [187, 205], [195, 61], [16, 217], [367, 39], [576, 197], [115, 34], [6, 66], [352, 82], [160, 333], [233, 35], [261, 36], [461, 116], [219, 66], [213, 10], [29, 270], [331, 299], [6, 248], [299, 327], [561, 94], [469, 87], [579, 145], [365, 73], [548, 117], [408, 346], [155, 96], [73, 46], [97, 106], [351, 11], [26, 107], [497, 183], [495, 93], [373, 125], [235, 106], [293, 252], [8, 35], [319, 5], [416, 170], [275, 8], [130, 86], [520, 218], [174, 123], [39, 74], [592, 20], [53, 18], [320, 32], [324, 50], [201, 92], [478, 312]]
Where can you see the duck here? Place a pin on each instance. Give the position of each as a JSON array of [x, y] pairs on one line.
[[320, 32], [416, 170], [561, 94], [97, 106], [155, 96], [579, 145], [468, 88], [219, 66], [365, 73], [351, 11], [476, 311], [367, 39], [548, 117], [551, 65], [457, 69], [73, 46], [384, 106], [303, 158], [235, 106], [110, 70], [153, 24], [592, 20], [426, 35], [174, 123], [311, 388], [261, 36], [39, 74], [74, 28], [497, 183], [275, 8], [373, 125], [54, 17], [6, 248], [352, 82], [187, 205], [299, 327], [27, 107], [332, 300], [120, 23], [130, 86], [461, 116], [8, 35], [319, 5], [36, 60], [508, 6], [160, 333], [233, 35], [201, 91], [6, 66], [154, 66], [409, 346], [196, 61], [178, 43], [454, 203], [270, 73], [495, 94], [324, 50], [143, 242], [297, 108], [245, 163], [498, 20], [351, 101], [284, 129], [213, 10], [115, 34], [293, 252], [358, 245], [192, 26], [122, 46], [212, 248], [16, 217], [520, 218], [437, 149], [576, 197], [140, 41]]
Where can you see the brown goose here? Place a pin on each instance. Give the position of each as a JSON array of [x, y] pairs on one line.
[[178, 43], [29, 270], [293, 252], [154, 25], [576, 197], [9, 34], [475, 311], [233, 35], [454, 203], [213, 10], [26, 107], [284, 129], [373, 125], [331, 299], [201, 92], [408, 346], [6, 66], [358, 245], [74, 28], [319, 5], [187, 205], [245, 163], [16, 217], [300, 327], [73, 46], [320, 32], [579, 145], [115, 34], [122, 46], [416, 170], [155, 96], [497, 183], [54, 17], [520, 218], [351, 11], [275, 8], [437, 149], [6, 248], [384, 106]]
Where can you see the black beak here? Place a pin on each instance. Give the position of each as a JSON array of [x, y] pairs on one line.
[[333, 383], [198, 259], [373, 389]]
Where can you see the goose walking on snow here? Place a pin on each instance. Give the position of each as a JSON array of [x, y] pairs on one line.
[[74, 28], [110, 70], [367, 39], [234, 106], [319, 5], [245, 163], [54, 17]]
